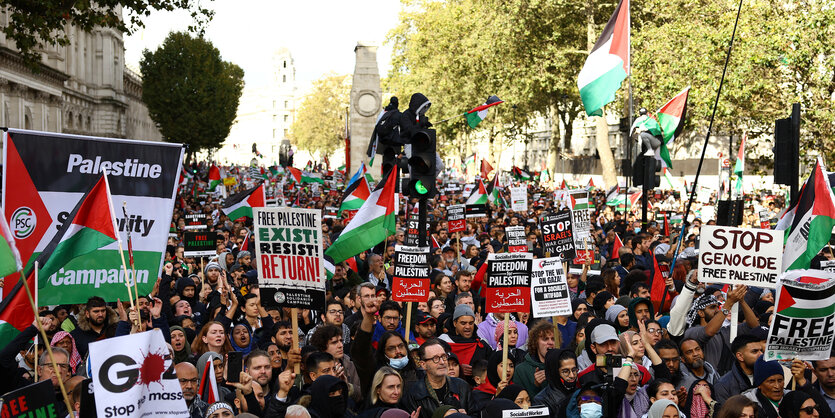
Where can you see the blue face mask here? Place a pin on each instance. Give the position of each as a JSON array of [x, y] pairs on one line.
[[591, 410], [399, 363], [637, 230]]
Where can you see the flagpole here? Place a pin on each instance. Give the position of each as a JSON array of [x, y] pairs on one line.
[[707, 139], [121, 251], [130, 252], [55, 368]]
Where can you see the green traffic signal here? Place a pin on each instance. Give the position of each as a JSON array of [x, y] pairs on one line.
[[420, 187]]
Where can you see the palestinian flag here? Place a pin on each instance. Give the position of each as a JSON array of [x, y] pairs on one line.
[[616, 247], [801, 297], [360, 173], [374, 221], [612, 194], [92, 226], [240, 205], [355, 195], [591, 185], [671, 120], [805, 294], [493, 193], [300, 176], [607, 64], [812, 220], [10, 262], [214, 177], [469, 164], [475, 116], [476, 205], [520, 174], [208, 382], [657, 286], [486, 168], [544, 176], [739, 167], [330, 268]]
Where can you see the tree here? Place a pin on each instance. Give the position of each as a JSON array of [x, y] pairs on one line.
[[36, 24], [191, 93], [320, 120]]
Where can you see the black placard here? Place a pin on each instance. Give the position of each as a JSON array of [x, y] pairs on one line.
[[35, 400], [199, 244], [557, 234], [196, 222]]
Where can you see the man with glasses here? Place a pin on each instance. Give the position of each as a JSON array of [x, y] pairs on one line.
[[388, 320], [334, 314], [437, 388], [561, 375], [187, 375]]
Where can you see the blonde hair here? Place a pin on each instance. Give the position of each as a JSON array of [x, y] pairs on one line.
[[377, 381]]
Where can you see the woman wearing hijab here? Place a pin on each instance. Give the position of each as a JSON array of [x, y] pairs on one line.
[[517, 394], [799, 404], [64, 340], [179, 342], [485, 392], [241, 338], [663, 408], [517, 354]]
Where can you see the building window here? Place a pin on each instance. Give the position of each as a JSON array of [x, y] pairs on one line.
[[285, 63], [284, 78], [286, 104], [286, 118]]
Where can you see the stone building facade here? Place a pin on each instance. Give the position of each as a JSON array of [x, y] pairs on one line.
[[82, 88]]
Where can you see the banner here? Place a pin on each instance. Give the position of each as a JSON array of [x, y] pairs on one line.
[[289, 252], [516, 242], [731, 255], [519, 199], [410, 281], [35, 400], [196, 221], [455, 218], [200, 244], [580, 215], [508, 282], [549, 289], [134, 377], [45, 175], [804, 318], [557, 236]]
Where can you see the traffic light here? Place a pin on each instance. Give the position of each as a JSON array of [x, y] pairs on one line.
[[389, 151], [422, 164], [638, 171], [652, 168]]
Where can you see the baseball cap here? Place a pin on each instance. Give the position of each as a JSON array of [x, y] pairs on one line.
[[603, 333]]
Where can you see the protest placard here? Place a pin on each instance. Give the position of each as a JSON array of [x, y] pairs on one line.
[[508, 282], [828, 265], [733, 255], [413, 229], [289, 253], [764, 217], [803, 325], [549, 289], [580, 215], [134, 377], [538, 411], [195, 221], [410, 281], [519, 198], [200, 244], [557, 236], [456, 221], [468, 189], [87, 407], [516, 242], [39, 193], [35, 400]]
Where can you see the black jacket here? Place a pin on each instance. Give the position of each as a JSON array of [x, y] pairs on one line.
[[732, 383], [412, 120], [417, 395]]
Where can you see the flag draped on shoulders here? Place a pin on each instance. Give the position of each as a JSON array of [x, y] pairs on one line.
[[808, 222], [607, 64], [374, 221], [240, 205]]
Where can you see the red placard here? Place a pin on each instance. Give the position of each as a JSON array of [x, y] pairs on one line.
[[456, 221], [347, 215], [508, 282], [581, 256], [457, 226], [410, 281]]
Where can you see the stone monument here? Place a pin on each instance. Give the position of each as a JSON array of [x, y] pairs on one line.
[[366, 98]]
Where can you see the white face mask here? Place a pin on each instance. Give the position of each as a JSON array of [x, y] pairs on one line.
[[591, 410], [399, 363]]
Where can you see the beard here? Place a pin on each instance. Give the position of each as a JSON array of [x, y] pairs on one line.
[[696, 364], [283, 348], [98, 322]]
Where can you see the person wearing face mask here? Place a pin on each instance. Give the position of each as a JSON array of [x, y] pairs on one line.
[[561, 375], [328, 398]]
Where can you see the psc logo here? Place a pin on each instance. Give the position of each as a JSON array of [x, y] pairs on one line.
[[23, 222]]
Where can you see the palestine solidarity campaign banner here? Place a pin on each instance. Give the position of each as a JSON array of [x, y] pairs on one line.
[[804, 318], [44, 177]]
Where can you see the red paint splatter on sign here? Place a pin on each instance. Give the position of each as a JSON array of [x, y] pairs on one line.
[[151, 369]]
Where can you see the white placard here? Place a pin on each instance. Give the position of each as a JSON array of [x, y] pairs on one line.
[[519, 199], [733, 255], [549, 289]]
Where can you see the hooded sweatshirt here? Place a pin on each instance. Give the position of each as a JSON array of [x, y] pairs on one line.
[[558, 389], [322, 405]]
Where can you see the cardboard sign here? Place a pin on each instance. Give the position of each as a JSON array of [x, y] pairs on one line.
[[519, 199], [289, 255], [732, 255], [549, 289], [580, 215], [411, 274], [200, 244], [508, 282], [134, 377], [468, 189], [557, 235], [35, 400], [828, 265], [195, 221], [804, 316], [456, 219], [516, 242]]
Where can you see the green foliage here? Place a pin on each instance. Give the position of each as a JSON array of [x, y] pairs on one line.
[[320, 120], [37, 23], [191, 93]]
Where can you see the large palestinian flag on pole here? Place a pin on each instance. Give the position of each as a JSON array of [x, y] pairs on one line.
[[811, 218], [39, 194], [804, 310], [671, 121], [240, 205], [355, 195], [478, 113], [607, 64], [374, 221]]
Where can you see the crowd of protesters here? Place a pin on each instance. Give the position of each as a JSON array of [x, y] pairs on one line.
[[618, 354]]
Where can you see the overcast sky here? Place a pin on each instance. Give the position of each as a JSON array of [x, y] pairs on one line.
[[320, 34]]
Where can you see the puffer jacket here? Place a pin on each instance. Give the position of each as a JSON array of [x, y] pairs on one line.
[[417, 395]]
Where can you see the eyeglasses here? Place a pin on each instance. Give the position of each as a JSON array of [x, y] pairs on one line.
[[569, 372], [64, 366], [391, 318], [655, 331], [809, 409], [335, 312], [438, 359]]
